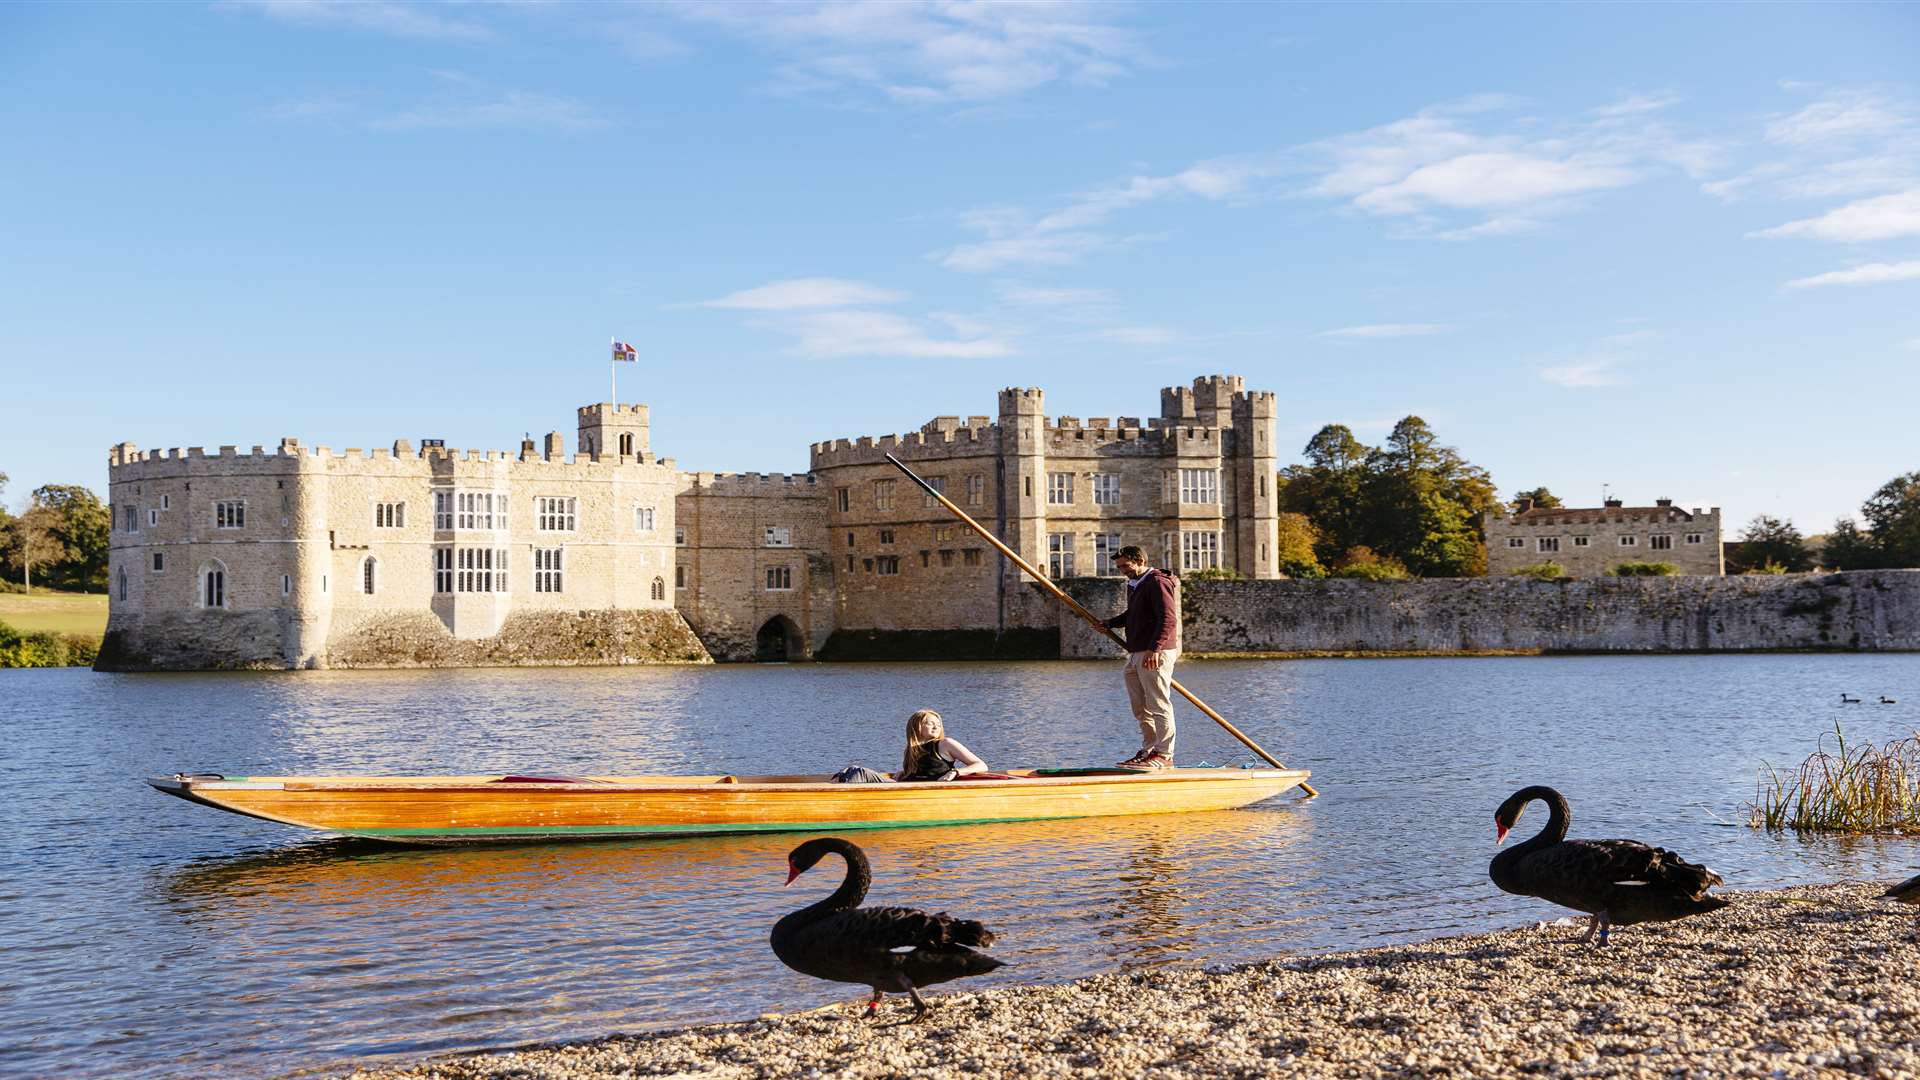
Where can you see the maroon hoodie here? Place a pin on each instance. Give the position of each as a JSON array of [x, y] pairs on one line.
[[1152, 617]]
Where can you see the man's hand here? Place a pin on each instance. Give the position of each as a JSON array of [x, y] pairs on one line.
[[1151, 661]]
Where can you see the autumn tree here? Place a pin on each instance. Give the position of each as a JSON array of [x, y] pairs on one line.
[[1294, 551], [1541, 498]]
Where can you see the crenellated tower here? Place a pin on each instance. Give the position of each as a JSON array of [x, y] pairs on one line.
[[615, 431]]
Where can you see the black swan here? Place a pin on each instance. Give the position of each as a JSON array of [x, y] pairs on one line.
[[1847, 699], [1885, 700], [1907, 892], [887, 948], [1613, 881]]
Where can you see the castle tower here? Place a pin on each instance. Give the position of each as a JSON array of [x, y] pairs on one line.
[[1255, 482], [1023, 475], [611, 430], [1213, 399]]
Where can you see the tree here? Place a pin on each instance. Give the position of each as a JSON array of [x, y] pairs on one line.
[[6, 520], [36, 542], [1847, 548], [1421, 502], [1893, 519], [1541, 498], [1768, 539], [1293, 553], [83, 526], [1327, 490]]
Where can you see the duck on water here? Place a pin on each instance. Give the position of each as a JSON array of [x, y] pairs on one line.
[[1614, 881], [886, 948]]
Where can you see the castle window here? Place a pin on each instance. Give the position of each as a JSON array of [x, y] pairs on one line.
[[442, 570], [937, 483], [679, 536], [1516, 541], [886, 536], [1579, 541], [1547, 543], [971, 556], [946, 556], [230, 514], [129, 519], [166, 502], [286, 584], [1059, 555], [480, 510], [1060, 488], [883, 494], [659, 588], [679, 577], [1694, 538], [779, 579], [1029, 487], [547, 569], [976, 489], [323, 583], [1199, 550], [1629, 541], [553, 513], [369, 571], [123, 583], [1660, 542], [443, 511], [926, 558], [887, 564], [626, 450], [1199, 485], [1105, 546], [153, 518], [159, 562], [643, 522], [846, 499], [1106, 489], [213, 585], [480, 570], [849, 539], [390, 515], [779, 536]]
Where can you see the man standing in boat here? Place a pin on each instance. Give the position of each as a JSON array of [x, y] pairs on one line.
[[1152, 622]]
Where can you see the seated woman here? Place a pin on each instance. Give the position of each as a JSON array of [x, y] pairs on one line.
[[931, 755]]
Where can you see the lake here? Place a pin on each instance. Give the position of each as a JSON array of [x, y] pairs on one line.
[[146, 936]]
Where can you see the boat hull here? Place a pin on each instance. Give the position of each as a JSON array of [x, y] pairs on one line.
[[479, 809]]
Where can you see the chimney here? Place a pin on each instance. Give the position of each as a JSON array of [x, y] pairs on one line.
[[1521, 506], [1663, 502], [1613, 504]]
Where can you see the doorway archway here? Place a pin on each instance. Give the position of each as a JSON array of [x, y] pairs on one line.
[[777, 641]]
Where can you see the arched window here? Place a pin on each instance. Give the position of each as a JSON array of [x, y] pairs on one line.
[[213, 585], [368, 572], [123, 583], [659, 588], [626, 444]]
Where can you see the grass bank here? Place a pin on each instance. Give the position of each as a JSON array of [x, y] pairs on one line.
[[1808, 981], [79, 614]]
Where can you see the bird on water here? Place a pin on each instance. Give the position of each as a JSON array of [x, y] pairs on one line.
[[1848, 699], [1614, 881], [1885, 700], [886, 948]]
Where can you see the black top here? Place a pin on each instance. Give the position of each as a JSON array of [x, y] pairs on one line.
[[933, 765]]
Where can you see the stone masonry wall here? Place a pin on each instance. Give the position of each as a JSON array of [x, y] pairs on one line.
[[1869, 611]]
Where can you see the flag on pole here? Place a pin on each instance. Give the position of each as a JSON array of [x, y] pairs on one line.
[[626, 352]]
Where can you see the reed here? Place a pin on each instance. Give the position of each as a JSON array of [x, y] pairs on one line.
[[1853, 787]]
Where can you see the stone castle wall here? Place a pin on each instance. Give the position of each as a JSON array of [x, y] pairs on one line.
[[752, 578], [1869, 610], [1590, 542]]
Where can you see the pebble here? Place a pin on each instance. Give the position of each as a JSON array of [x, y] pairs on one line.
[[1813, 981]]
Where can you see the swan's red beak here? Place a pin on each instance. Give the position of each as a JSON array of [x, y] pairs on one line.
[[1500, 834], [792, 872]]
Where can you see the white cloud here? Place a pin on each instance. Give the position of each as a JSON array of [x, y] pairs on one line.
[[849, 333], [376, 16], [514, 109], [1033, 297], [1583, 374], [931, 53], [1387, 330], [1841, 117], [1881, 218], [1133, 335], [799, 293], [1636, 105], [1869, 274]]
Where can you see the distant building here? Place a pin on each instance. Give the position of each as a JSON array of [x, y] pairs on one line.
[[1589, 542]]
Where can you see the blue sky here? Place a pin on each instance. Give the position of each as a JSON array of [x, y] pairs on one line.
[[1674, 249]]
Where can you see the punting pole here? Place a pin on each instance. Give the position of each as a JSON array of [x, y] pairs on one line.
[[1092, 619]]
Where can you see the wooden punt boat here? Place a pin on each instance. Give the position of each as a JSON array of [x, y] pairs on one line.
[[468, 809]]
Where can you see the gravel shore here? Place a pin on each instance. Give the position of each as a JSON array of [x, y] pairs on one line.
[[1814, 981]]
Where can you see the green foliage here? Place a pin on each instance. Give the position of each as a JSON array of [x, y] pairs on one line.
[[1644, 569], [1213, 573], [1368, 565], [1768, 567], [1542, 571], [1542, 499], [61, 540], [44, 649], [1854, 789], [1295, 537], [1412, 500], [1847, 548], [1768, 539], [1893, 518]]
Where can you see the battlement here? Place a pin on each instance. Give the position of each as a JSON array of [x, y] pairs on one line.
[[1023, 401], [753, 483], [127, 456], [612, 408], [875, 448]]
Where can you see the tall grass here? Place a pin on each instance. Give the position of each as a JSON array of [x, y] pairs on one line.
[[1853, 788]]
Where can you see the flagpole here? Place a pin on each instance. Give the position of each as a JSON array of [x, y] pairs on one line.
[[613, 374]]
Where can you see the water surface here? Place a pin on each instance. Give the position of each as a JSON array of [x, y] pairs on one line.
[[145, 936]]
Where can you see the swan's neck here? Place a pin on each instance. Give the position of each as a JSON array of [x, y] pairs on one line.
[[852, 890], [1558, 816]]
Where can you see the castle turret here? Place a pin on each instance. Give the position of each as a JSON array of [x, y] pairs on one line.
[[1023, 482], [611, 430], [1254, 469]]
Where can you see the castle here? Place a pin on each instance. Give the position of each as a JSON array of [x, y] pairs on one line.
[[1592, 541], [301, 557]]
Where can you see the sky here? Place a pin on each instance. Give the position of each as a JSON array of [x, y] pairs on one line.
[[1656, 250]]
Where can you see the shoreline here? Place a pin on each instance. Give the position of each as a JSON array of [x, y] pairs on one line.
[[1807, 980]]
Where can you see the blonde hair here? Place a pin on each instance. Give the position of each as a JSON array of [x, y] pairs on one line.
[[918, 746]]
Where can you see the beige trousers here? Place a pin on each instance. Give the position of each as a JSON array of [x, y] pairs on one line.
[[1150, 691]]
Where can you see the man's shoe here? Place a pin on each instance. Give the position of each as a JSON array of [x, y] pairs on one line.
[[1134, 761], [1156, 762]]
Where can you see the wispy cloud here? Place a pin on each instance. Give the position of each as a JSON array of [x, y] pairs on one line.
[[1841, 117], [798, 293], [931, 53], [1881, 218], [1387, 330], [514, 109], [374, 16], [1870, 274], [831, 318], [1133, 335], [1583, 374], [1036, 297]]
